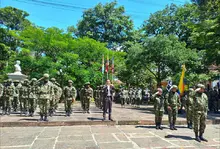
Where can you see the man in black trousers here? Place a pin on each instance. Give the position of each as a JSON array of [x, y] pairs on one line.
[[108, 98]]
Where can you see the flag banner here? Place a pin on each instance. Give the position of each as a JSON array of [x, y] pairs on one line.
[[181, 83], [103, 64], [113, 66], [107, 65]]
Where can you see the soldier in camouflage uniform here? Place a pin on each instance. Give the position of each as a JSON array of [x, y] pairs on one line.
[[70, 96], [25, 97], [16, 95], [53, 97], [9, 96], [200, 109], [33, 96], [1, 95], [158, 108], [189, 106], [139, 97], [122, 97], [45, 94], [86, 94], [96, 96], [173, 104]]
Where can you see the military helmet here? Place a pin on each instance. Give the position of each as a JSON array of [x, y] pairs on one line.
[[53, 79], [70, 81], [16, 81], [9, 80], [5, 81], [191, 89], [201, 86], [33, 79], [25, 80], [46, 75], [174, 86], [87, 83]]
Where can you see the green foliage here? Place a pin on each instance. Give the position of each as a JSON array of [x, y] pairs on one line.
[[106, 23]]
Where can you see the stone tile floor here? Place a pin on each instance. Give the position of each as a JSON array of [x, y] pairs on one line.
[[105, 137]]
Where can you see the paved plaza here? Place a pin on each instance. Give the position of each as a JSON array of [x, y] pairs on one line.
[[121, 116], [105, 137]]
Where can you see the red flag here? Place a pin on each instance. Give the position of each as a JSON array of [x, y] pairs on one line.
[[107, 65]]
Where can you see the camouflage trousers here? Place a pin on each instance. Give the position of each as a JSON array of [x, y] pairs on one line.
[[85, 102], [138, 101], [122, 101], [172, 115], [15, 103], [158, 116], [68, 105], [32, 105], [7, 104], [43, 105], [199, 122], [24, 104], [189, 114]]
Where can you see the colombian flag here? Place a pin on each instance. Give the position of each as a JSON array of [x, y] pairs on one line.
[[181, 83]]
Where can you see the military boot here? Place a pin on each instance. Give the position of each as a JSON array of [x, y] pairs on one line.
[[160, 127], [202, 138], [197, 137], [174, 127], [45, 119], [41, 118], [190, 125], [171, 127], [157, 125]]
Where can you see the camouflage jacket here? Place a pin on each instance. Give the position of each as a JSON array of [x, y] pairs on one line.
[[173, 100], [200, 103], [158, 102], [69, 92]]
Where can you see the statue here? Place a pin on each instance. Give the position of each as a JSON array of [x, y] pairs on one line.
[[17, 67]]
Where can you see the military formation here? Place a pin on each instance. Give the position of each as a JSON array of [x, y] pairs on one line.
[[25, 96], [196, 109]]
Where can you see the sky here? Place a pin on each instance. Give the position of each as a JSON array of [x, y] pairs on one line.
[[64, 13]]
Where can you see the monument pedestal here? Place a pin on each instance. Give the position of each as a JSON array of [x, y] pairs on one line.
[[17, 76]]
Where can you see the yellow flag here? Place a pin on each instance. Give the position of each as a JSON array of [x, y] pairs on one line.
[[181, 83]]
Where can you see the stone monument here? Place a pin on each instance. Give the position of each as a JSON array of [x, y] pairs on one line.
[[17, 75]]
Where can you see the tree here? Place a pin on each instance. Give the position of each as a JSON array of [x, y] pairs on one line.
[[172, 20], [106, 23], [163, 56], [13, 18], [206, 33]]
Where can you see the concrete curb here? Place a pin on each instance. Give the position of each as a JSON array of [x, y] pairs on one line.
[[110, 123]]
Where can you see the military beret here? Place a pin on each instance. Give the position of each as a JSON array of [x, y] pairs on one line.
[[53, 79], [46, 75], [33, 79], [201, 86], [70, 81], [87, 83]]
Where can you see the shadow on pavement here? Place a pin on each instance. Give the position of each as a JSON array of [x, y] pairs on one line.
[[94, 119], [145, 126], [179, 137], [28, 119]]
